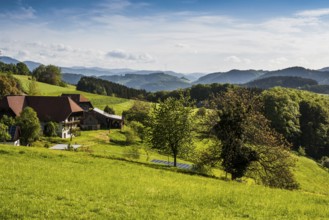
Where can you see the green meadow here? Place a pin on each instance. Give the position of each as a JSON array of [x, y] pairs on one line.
[[99, 101], [102, 181], [38, 183]]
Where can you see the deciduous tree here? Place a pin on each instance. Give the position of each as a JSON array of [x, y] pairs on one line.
[[30, 126], [9, 85], [109, 110], [170, 129], [248, 144], [22, 69], [4, 135], [48, 74]]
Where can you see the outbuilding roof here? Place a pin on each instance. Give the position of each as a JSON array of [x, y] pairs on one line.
[[118, 117]]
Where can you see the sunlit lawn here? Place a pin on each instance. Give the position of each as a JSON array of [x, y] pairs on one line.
[[38, 183]]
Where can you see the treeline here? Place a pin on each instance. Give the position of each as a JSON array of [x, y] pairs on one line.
[[301, 117], [199, 93], [19, 68], [48, 74], [9, 85], [103, 87]]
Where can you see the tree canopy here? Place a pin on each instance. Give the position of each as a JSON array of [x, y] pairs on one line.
[[9, 85], [4, 135], [248, 145], [22, 69], [30, 126], [48, 74], [170, 127]]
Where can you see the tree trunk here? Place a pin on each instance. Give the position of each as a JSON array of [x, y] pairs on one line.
[[175, 160]]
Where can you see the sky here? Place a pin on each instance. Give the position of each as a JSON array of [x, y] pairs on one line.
[[185, 36]]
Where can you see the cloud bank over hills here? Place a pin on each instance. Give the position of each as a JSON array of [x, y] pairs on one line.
[[184, 36]]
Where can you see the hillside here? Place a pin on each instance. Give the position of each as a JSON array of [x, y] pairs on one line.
[[101, 182], [232, 77], [99, 101], [72, 78], [320, 76], [8, 60], [82, 186], [150, 82], [283, 81]]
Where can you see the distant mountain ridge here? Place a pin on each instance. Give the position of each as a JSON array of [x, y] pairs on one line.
[[8, 60], [232, 77], [320, 76], [283, 81], [169, 80], [150, 82]]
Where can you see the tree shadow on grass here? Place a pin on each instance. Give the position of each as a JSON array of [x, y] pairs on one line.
[[160, 167], [122, 143]]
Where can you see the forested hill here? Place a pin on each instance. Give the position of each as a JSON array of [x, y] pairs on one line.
[[232, 77], [283, 81], [320, 76], [103, 87], [151, 82]]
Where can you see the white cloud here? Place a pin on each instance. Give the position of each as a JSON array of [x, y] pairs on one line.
[[121, 54], [184, 41], [235, 59], [314, 13]]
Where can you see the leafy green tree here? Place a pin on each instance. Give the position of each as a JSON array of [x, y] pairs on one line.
[[4, 135], [109, 110], [248, 144], [7, 120], [33, 89], [138, 112], [131, 136], [30, 126], [51, 129], [234, 108], [139, 129], [283, 112], [314, 122], [170, 129], [9, 85], [48, 74], [22, 69]]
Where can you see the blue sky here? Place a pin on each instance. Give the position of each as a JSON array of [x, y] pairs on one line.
[[180, 35]]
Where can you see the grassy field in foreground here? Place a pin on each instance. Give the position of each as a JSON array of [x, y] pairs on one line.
[[44, 184], [99, 101]]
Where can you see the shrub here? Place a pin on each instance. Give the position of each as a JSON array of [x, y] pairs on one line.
[[132, 152], [301, 151], [325, 161], [131, 136]]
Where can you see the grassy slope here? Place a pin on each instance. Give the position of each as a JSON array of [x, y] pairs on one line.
[[98, 101], [40, 183]]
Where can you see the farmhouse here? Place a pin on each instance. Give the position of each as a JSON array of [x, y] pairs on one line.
[[70, 111], [62, 110], [82, 101]]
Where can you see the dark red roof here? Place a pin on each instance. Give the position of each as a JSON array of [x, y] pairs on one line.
[[76, 97], [48, 108], [14, 103]]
